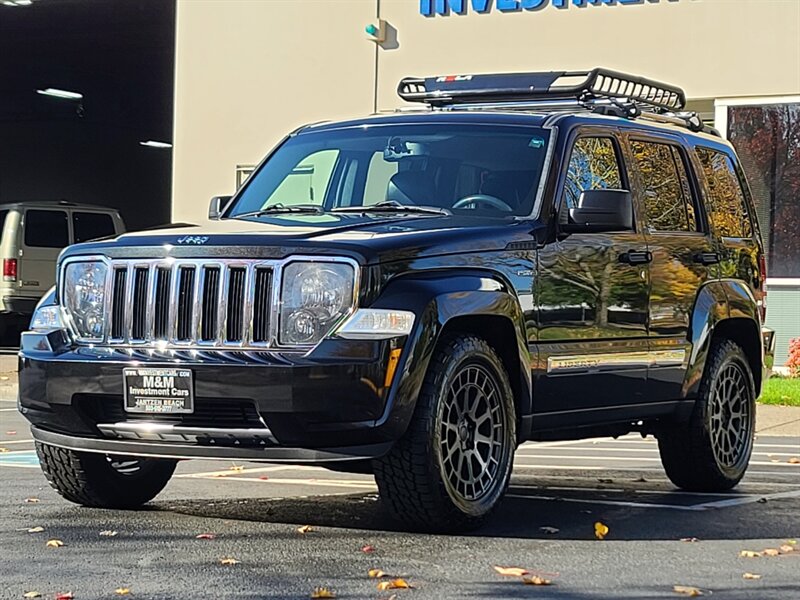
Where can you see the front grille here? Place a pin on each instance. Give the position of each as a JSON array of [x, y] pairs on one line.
[[190, 303]]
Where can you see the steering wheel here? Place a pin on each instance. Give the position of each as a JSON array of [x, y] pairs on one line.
[[483, 199]]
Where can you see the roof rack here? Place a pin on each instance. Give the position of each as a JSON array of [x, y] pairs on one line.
[[600, 90], [583, 86]]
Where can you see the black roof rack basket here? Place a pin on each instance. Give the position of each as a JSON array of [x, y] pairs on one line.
[[581, 86]]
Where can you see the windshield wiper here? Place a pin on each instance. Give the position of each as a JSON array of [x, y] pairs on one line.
[[281, 208], [394, 206]]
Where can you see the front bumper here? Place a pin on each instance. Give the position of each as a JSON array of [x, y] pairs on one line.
[[335, 404]]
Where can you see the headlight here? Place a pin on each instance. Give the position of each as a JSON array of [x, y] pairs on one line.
[[84, 294], [315, 296]]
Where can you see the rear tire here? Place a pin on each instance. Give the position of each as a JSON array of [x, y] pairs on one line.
[[452, 467], [711, 451], [101, 480]]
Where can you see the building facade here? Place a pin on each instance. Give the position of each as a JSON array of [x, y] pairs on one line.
[[248, 72]]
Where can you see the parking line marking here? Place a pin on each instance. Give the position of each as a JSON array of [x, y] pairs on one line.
[[748, 500], [9, 442], [9, 409], [231, 473], [640, 459], [654, 450], [608, 502], [348, 483], [622, 469]]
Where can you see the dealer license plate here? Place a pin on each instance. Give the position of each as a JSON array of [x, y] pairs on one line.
[[158, 391]]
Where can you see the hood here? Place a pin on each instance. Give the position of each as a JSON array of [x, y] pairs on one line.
[[370, 238]]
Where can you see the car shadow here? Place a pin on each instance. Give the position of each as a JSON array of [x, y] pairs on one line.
[[532, 510]]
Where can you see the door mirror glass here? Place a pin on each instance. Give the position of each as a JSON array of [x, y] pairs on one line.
[[217, 207], [601, 211]]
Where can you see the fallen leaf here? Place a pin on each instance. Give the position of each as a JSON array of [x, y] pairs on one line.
[[786, 548], [794, 461], [108, 533], [770, 552], [122, 591], [762, 500], [687, 590], [536, 580], [367, 549], [551, 530], [12, 432], [640, 480], [65, 596], [394, 584], [600, 530], [228, 561], [749, 554], [31, 500], [54, 544], [605, 480], [4, 450], [31, 595], [376, 573], [323, 592], [237, 468], [305, 529], [205, 536], [36, 530], [511, 571], [751, 576], [792, 542], [690, 539], [263, 478]]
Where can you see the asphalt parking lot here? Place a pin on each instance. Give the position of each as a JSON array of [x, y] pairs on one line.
[[252, 513]]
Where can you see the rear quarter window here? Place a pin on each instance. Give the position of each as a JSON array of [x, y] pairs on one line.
[[46, 229], [727, 213]]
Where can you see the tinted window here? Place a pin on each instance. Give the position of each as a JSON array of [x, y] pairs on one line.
[[593, 165], [3, 215], [727, 213], [46, 229], [90, 226], [666, 190]]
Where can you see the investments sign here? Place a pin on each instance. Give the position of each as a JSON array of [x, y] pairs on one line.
[[461, 7]]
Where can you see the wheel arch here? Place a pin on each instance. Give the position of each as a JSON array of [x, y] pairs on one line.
[[724, 309], [476, 301]]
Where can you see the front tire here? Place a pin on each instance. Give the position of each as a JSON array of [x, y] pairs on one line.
[[103, 481], [711, 451], [452, 467]]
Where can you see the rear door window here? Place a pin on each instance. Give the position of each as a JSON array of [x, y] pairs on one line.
[[46, 229], [3, 215], [593, 165], [665, 187], [91, 225], [728, 213]]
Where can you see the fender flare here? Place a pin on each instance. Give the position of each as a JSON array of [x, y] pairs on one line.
[[437, 298], [717, 302]]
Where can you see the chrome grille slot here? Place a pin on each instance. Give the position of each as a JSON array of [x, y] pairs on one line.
[[185, 304], [163, 281], [234, 317], [262, 306], [139, 313], [209, 316], [118, 304]]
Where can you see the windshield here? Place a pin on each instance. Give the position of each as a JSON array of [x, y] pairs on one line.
[[482, 170]]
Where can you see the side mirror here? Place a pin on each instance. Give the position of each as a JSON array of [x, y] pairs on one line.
[[601, 211], [217, 207]]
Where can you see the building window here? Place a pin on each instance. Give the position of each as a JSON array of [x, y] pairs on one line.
[[767, 139]]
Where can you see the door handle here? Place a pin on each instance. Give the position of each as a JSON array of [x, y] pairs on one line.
[[636, 257], [706, 258]]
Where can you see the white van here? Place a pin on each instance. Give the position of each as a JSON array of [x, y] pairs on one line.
[[32, 234]]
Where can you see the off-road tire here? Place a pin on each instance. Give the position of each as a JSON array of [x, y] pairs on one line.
[[690, 450], [92, 480], [411, 477]]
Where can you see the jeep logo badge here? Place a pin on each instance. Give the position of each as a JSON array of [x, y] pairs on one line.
[[193, 239]]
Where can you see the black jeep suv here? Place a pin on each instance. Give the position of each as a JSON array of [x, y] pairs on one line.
[[533, 256]]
